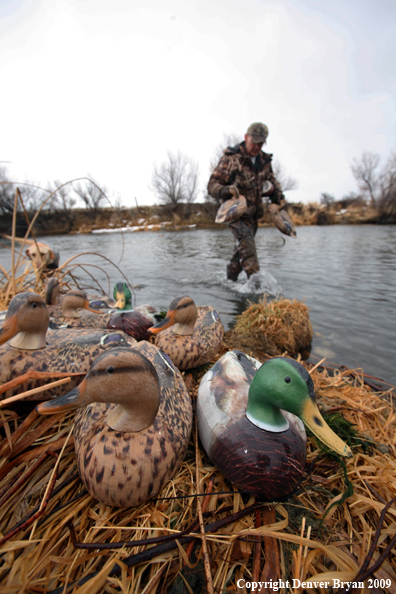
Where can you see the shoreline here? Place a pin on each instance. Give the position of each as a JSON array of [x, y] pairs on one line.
[[179, 216]]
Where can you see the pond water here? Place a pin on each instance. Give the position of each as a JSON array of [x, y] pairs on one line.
[[346, 275]]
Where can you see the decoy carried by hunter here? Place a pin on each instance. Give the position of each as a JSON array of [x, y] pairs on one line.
[[127, 450], [191, 336], [28, 348], [249, 422]]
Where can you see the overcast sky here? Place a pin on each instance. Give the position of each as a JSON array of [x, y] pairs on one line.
[[109, 87]]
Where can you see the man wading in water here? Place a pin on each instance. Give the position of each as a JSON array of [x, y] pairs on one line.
[[242, 170]]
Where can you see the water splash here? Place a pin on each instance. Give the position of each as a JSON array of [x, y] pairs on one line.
[[257, 284]]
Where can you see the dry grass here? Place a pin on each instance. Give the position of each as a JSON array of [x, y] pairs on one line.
[[41, 557], [283, 325]]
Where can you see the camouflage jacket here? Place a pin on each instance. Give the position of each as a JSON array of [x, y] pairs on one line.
[[236, 168]]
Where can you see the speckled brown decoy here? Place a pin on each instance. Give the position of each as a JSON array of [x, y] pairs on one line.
[[75, 311], [132, 434], [191, 336], [27, 346], [248, 420]]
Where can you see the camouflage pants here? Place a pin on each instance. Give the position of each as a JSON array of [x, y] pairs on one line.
[[245, 254]]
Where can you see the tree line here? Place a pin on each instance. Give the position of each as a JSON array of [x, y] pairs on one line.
[[376, 180], [176, 180]]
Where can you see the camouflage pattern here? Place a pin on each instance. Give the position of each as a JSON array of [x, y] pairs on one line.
[[258, 131], [245, 254], [236, 168]]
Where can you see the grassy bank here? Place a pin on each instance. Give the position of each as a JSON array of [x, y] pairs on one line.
[[174, 217]]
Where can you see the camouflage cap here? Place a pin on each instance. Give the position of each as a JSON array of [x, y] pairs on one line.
[[258, 132]]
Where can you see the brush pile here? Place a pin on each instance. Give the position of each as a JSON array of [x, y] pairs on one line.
[[278, 326]]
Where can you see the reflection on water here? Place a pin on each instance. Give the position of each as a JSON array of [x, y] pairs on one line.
[[345, 274]]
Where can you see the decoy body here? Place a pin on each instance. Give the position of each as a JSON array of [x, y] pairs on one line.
[[191, 336], [132, 434], [136, 322], [27, 346], [282, 221], [248, 420]]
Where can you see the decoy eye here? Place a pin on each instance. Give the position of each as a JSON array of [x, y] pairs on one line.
[[288, 379], [110, 369]]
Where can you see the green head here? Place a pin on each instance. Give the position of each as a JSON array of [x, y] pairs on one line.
[[283, 383], [123, 296]]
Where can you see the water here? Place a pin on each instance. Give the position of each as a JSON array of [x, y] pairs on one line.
[[346, 275]]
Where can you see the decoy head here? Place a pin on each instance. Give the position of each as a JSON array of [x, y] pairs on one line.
[[283, 383], [122, 295], [74, 300], [121, 376], [26, 322], [51, 291], [181, 315]]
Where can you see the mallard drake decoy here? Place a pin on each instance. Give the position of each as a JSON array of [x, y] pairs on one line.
[[127, 450], [136, 322], [248, 425], [191, 336], [31, 348]]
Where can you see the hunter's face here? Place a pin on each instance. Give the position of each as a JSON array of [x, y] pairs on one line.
[[252, 148]]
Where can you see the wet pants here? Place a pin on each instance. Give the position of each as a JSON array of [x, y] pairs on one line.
[[245, 254]]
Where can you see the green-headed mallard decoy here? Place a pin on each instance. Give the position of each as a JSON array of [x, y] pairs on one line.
[[248, 419], [133, 432], [191, 336], [28, 347]]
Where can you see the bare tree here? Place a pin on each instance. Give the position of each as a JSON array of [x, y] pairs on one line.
[[62, 198], [326, 199], [387, 184], [229, 140], [286, 181], [7, 193], [176, 179], [91, 193], [365, 172]]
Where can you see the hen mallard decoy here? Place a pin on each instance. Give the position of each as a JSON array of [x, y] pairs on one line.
[[30, 348], [248, 420], [75, 311], [133, 433], [191, 336]]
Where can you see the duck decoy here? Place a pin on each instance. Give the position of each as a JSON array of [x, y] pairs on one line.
[[191, 336], [281, 219], [27, 346], [132, 434], [75, 311], [136, 322], [249, 420]]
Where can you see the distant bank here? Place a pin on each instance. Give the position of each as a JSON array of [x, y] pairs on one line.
[[175, 217]]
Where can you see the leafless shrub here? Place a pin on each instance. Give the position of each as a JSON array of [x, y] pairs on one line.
[[176, 179]]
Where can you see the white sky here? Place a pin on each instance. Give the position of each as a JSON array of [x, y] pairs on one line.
[[108, 87]]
